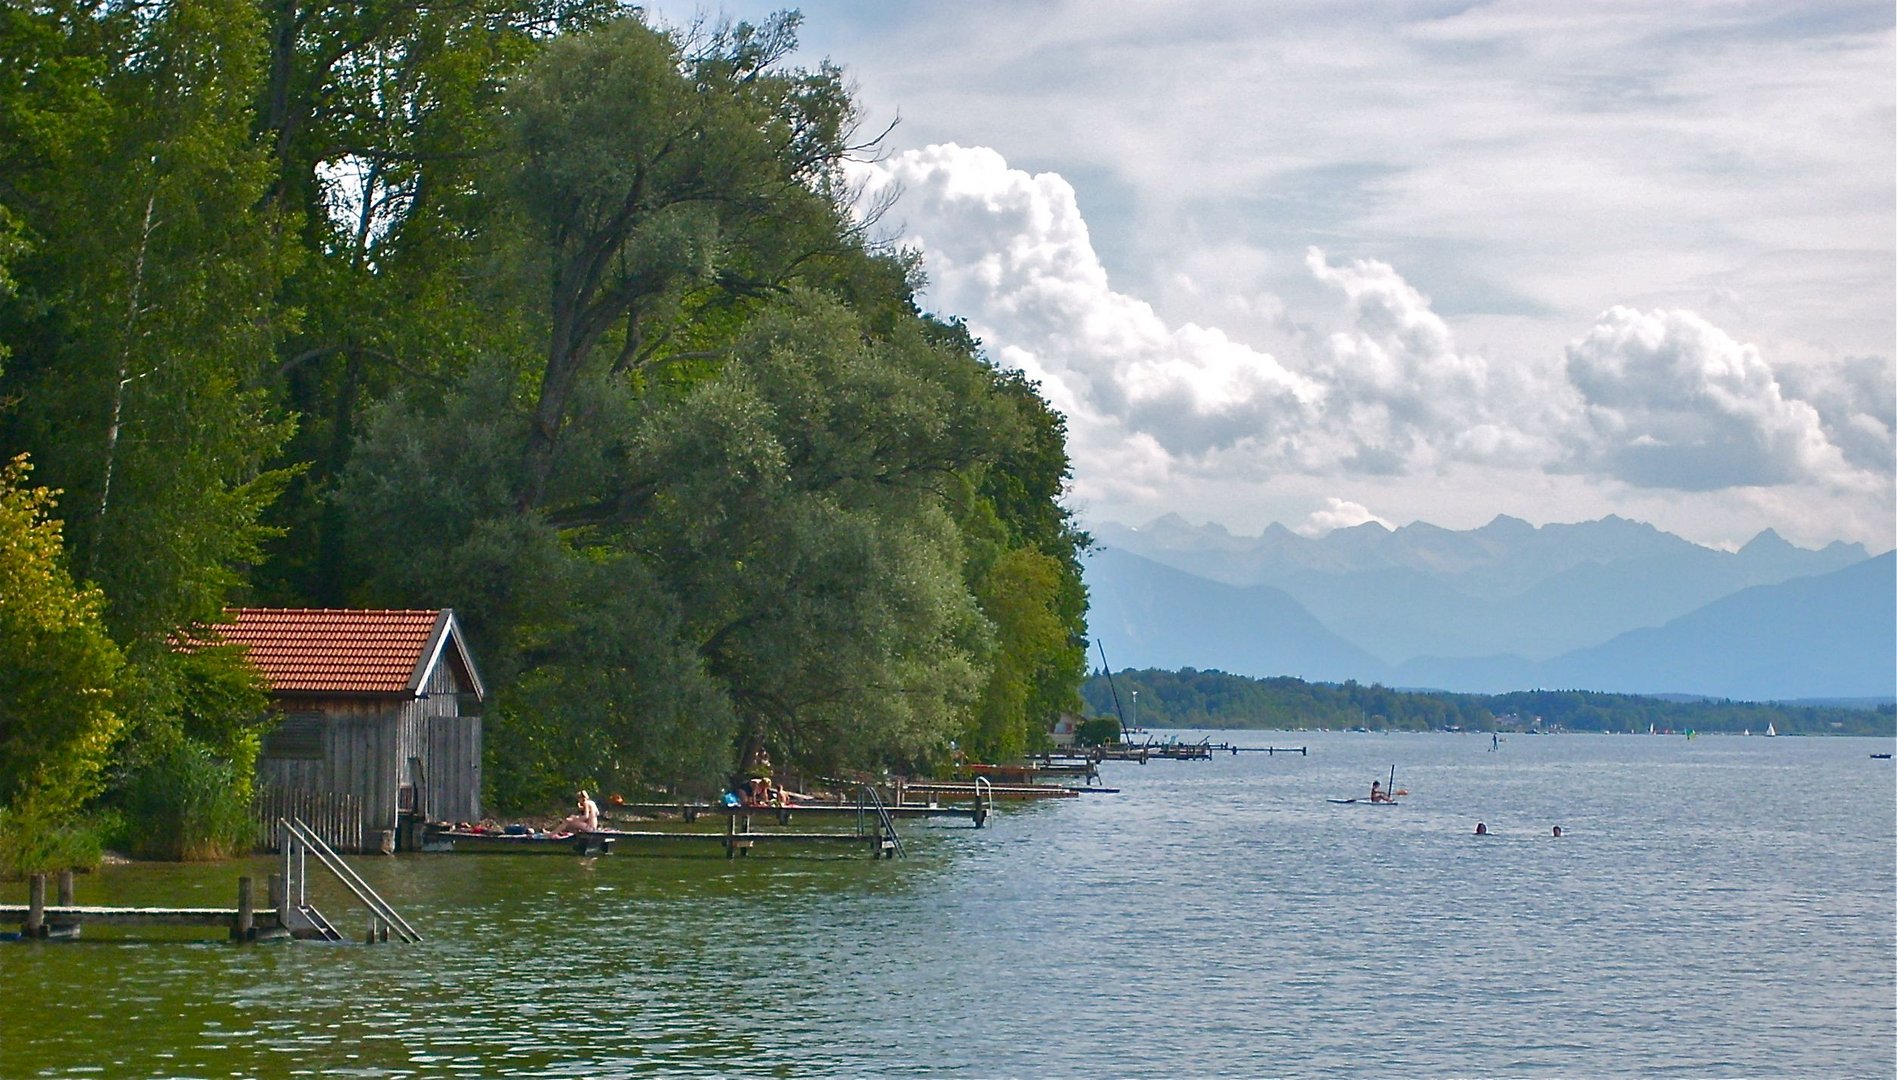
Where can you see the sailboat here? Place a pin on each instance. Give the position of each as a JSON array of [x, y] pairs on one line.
[[1769, 729]]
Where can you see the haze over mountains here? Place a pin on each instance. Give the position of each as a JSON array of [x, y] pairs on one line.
[[1602, 605]]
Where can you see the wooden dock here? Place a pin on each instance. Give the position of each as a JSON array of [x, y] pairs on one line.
[[911, 790], [1199, 751], [63, 919], [784, 815], [1029, 771], [435, 841]]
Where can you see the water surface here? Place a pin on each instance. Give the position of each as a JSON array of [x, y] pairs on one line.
[[1721, 906]]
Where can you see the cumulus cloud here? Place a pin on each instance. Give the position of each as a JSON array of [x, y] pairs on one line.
[[1010, 251], [1406, 396], [1672, 401], [1660, 400], [1388, 393], [1856, 400]]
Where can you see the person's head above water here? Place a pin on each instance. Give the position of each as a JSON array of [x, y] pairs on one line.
[[1481, 829]]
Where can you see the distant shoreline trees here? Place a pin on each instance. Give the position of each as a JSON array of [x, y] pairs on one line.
[[1189, 698]]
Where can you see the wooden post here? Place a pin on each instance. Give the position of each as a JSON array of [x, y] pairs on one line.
[[245, 927], [279, 899], [65, 887], [36, 907]]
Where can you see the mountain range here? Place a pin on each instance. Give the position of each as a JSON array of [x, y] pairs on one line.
[[1603, 605]]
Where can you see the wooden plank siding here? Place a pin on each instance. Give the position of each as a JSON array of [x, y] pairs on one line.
[[386, 747]]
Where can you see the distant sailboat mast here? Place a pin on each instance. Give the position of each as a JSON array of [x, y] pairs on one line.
[[1107, 669]]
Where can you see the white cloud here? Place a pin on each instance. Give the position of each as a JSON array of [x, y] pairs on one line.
[[1674, 402], [1011, 253], [1368, 382], [1487, 179], [1338, 514], [1404, 392]]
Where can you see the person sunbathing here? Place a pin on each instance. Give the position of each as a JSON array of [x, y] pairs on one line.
[[584, 819]]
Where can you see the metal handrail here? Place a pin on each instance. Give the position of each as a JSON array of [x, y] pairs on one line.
[[875, 799], [349, 878], [984, 793]]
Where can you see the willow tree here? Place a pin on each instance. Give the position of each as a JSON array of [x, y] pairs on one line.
[[741, 491], [380, 120], [656, 183]]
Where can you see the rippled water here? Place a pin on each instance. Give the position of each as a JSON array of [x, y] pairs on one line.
[[1719, 907]]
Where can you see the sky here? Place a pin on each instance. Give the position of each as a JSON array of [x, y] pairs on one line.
[[1323, 262]]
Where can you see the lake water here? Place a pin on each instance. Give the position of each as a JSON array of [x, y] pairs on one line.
[[1721, 906]]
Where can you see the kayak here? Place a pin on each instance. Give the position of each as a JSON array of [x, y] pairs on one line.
[[1365, 802]]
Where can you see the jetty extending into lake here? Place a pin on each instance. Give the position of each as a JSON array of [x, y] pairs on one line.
[[62, 919], [288, 911]]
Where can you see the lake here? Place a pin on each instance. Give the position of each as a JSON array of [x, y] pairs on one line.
[[1720, 906]]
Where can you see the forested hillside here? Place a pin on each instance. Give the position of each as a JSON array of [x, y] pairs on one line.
[[525, 308], [1189, 698]]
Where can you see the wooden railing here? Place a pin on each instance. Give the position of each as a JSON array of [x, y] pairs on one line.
[[334, 816]]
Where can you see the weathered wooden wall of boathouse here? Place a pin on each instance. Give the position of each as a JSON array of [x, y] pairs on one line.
[[380, 719]]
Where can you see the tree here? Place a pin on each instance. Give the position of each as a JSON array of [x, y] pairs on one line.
[[382, 120], [58, 673], [654, 183], [139, 330]]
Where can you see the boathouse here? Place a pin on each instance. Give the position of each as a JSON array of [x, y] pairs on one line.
[[1064, 729], [380, 720]]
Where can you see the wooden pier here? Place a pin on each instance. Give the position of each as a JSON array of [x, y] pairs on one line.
[[63, 919], [1199, 751], [784, 815], [435, 840], [909, 791], [286, 913], [1025, 772], [870, 820]]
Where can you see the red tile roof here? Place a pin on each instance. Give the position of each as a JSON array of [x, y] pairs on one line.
[[336, 651]]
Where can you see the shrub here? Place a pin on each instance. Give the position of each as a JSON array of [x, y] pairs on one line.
[[32, 843], [186, 804]]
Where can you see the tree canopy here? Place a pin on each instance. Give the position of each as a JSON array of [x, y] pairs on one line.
[[537, 310]]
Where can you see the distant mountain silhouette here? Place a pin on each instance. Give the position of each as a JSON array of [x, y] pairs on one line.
[[1148, 615], [1828, 634], [1507, 587]]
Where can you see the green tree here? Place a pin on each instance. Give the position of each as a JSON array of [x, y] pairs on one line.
[[653, 184], [58, 672], [140, 329]]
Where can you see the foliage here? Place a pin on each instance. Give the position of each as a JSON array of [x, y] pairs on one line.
[[58, 669], [1097, 731], [186, 803], [34, 841], [533, 309], [1213, 699]]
